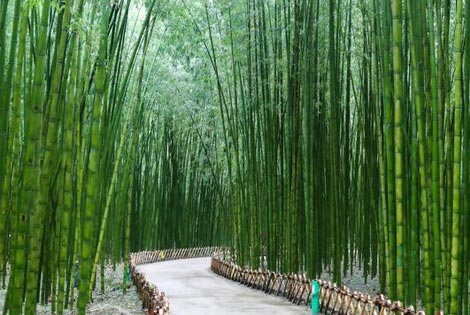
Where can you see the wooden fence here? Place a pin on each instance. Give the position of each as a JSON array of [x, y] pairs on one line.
[[297, 288]]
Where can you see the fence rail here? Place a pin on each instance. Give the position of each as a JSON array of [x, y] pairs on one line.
[[297, 289], [154, 301]]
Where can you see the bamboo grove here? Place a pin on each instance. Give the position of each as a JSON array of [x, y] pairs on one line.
[[308, 135], [71, 100], [346, 124]]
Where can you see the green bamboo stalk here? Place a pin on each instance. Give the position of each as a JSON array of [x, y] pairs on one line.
[[419, 103], [389, 148], [15, 293], [4, 113], [435, 171], [6, 91], [335, 126], [398, 128], [93, 188], [456, 259], [68, 171]]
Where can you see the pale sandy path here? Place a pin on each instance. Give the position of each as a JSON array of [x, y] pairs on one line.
[[193, 288]]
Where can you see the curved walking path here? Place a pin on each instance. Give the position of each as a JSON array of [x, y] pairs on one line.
[[192, 288]]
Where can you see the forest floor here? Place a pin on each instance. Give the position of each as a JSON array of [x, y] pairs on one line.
[[355, 282], [112, 302]]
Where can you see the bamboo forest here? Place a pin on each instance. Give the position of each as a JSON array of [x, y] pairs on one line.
[[305, 135]]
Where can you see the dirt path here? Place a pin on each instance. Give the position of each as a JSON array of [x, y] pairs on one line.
[[193, 288]]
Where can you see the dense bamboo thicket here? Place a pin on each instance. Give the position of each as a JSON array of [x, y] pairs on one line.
[[346, 128], [306, 134], [69, 105]]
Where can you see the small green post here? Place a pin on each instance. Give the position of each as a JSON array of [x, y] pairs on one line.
[[315, 297]]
